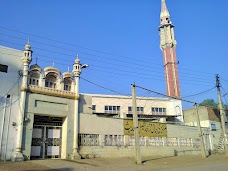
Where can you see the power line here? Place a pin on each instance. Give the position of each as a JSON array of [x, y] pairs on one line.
[[112, 63], [80, 47], [62, 63], [161, 94], [69, 44], [200, 92], [176, 98], [104, 87], [117, 73]]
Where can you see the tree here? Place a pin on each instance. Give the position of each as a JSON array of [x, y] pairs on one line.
[[212, 103], [209, 102]]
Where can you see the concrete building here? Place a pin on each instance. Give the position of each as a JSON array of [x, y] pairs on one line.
[[160, 109], [11, 76], [209, 118], [39, 114], [43, 115], [44, 122]]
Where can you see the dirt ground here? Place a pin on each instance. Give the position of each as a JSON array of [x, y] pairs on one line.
[[178, 163]]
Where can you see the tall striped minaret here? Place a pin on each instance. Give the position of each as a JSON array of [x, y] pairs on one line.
[[168, 47]]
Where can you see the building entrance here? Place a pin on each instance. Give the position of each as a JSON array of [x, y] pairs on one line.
[[46, 137]]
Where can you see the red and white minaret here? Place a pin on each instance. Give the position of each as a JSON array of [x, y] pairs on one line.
[[168, 47]]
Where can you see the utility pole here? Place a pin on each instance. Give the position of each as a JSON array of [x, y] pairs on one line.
[[202, 145], [221, 114], [136, 126]]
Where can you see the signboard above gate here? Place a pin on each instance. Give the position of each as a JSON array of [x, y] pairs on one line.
[[146, 128]]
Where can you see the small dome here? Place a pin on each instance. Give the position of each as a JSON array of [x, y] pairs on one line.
[[27, 47], [77, 61], [51, 70], [35, 67], [67, 75]]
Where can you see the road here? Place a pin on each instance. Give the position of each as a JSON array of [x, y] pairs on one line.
[[178, 163]]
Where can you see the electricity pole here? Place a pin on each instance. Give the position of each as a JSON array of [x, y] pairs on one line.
[[136, 126], [221, 114], [202, 145]]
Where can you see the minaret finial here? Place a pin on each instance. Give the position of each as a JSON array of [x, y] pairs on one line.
[[27, 46], [53, 64], [77, 61], [164, 15], [68, 69], [36, 60]]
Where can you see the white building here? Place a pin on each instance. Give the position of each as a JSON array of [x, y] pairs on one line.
[[40, 109], [10, 76], [160, 109]]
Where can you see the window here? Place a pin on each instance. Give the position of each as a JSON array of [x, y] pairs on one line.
[[34, 78], [34, 81], [67, 87], [67, 84], [213, 127], [139, 110], [112, 109], [50, 84], [50, 81], [158, 111], [129, 110], [93, 108], [3, 68]]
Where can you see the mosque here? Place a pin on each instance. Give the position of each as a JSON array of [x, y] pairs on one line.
[[43, 115]]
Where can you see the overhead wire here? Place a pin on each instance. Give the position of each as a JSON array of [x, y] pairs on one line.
[[103, 87], [200, 93], [118, 73], [176, 98], [76, 45], [109, 62]]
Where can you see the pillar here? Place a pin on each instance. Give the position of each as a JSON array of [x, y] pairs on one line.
[[26, 59]]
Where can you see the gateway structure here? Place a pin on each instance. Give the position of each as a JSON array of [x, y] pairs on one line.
[[43, 121]]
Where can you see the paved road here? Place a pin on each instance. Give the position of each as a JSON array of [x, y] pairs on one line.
[[179, 163]]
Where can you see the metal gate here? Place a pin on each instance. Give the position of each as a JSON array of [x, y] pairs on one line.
[[46, 138]]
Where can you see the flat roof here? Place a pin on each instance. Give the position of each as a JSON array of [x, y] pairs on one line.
[[126, 97]]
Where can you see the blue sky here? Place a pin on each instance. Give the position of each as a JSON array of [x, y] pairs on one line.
[[120, 41]]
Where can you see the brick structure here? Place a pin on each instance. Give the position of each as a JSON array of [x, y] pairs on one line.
[[168, 47]]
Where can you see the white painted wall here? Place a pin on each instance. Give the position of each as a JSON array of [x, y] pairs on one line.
[[10, 84], [173, 107], [92, 124]]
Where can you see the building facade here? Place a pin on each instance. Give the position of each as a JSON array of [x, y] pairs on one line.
[[43, 115], [11, 76], [160, 109], [49, 113], [209, 118], [43, 122]]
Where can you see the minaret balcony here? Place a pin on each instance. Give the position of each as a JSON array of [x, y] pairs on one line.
[[165, 25], [52, 92]]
